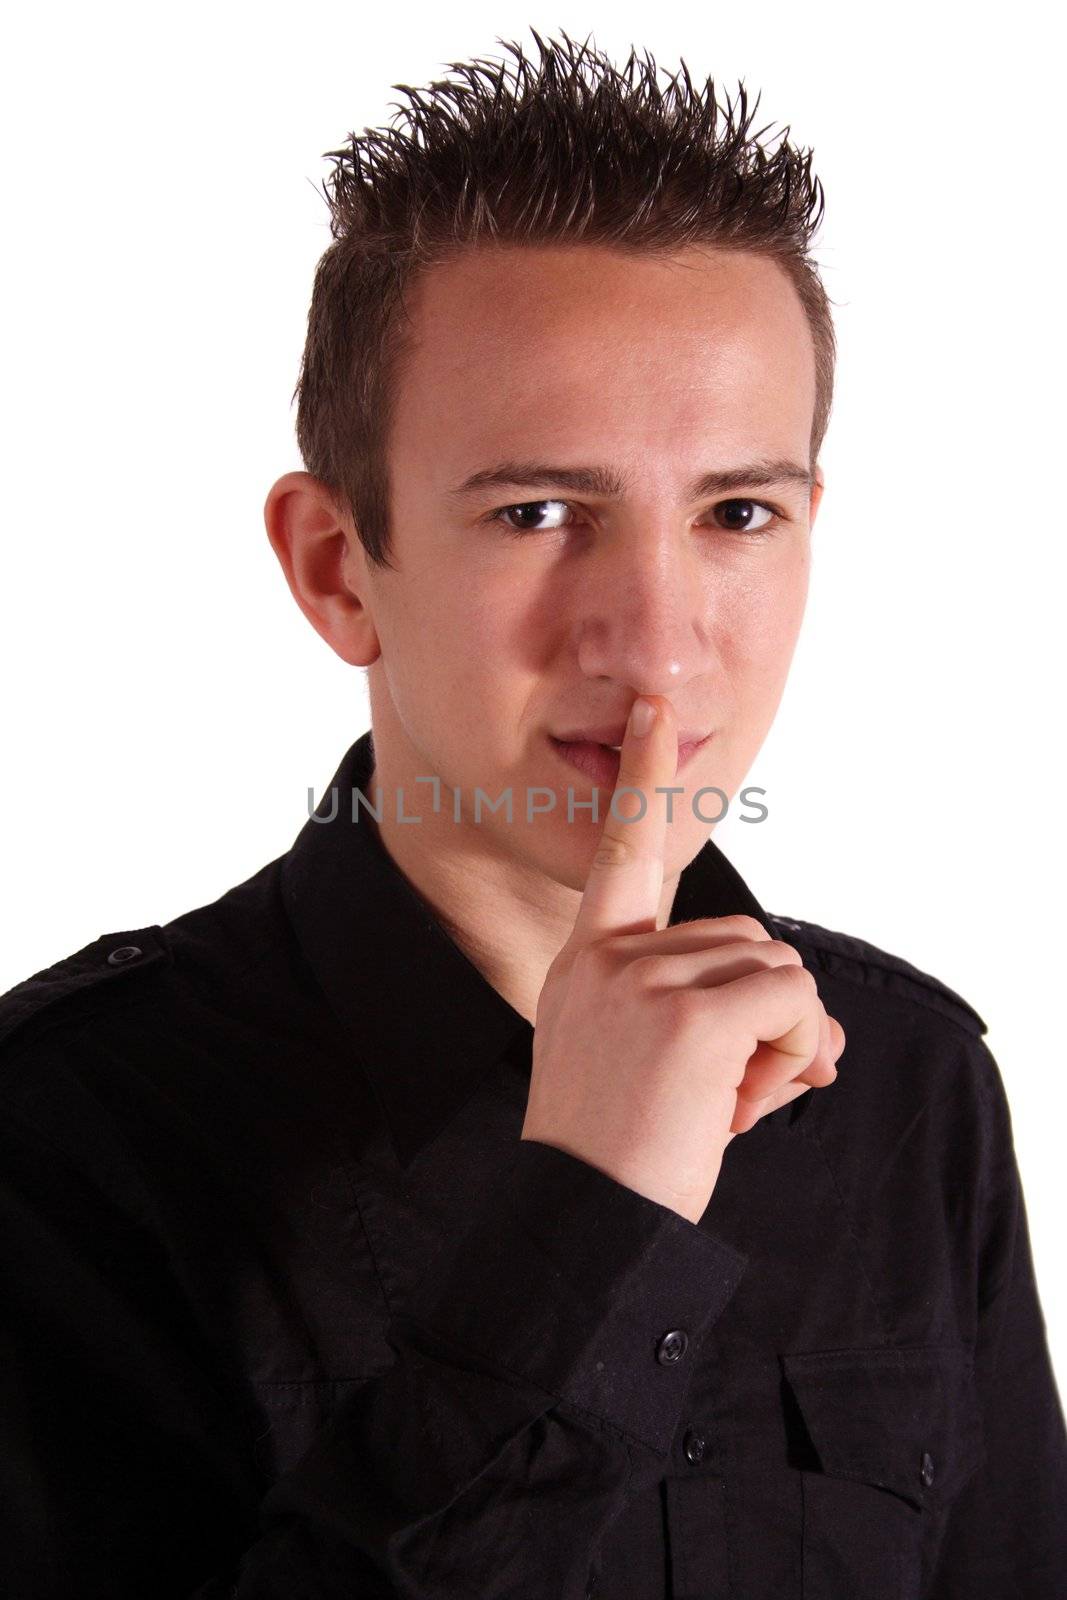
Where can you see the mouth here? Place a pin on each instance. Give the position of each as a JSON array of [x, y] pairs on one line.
[[601, 761]]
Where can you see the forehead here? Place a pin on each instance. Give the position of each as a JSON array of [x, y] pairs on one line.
[[507, 348]]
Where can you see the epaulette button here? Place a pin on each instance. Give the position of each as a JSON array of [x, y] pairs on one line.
[[124, 953]]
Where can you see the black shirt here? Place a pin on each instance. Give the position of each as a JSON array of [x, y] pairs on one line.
[[289, 1310]]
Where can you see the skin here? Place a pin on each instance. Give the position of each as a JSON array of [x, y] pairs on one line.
[[484, 640]]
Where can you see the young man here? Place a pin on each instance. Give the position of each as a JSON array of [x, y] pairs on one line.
[[469, 1203]]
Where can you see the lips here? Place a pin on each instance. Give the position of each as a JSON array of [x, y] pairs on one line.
[[613, 733], [596, 760]]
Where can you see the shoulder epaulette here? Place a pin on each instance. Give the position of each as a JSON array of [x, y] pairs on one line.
[[66, 988], [845, 955]]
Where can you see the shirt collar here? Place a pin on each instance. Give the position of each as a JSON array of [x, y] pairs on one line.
[[425, 1024]]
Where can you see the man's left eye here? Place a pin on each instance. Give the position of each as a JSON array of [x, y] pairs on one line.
[[741, 515]]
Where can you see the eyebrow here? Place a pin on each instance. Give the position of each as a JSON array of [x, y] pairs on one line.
[[603, 481]]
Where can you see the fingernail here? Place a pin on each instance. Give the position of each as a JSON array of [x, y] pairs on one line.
[[642, 716]]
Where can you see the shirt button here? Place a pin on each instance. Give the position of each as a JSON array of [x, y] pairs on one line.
[[672, 1347], [124, 953], [927, 1472], [695, 1447]]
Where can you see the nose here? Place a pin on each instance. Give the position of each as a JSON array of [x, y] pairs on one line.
[[642, 613]]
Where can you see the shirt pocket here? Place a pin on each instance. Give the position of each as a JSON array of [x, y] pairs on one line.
[[892, 1436]]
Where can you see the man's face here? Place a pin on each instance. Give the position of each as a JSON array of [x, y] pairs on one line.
[[504, 628]]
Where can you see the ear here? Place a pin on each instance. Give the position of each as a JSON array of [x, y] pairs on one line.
[[324, 563], [816, 496]]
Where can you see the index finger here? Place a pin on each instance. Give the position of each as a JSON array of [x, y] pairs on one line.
[[622, 892]]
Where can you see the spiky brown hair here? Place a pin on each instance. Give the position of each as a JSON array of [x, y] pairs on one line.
[[570, 148]]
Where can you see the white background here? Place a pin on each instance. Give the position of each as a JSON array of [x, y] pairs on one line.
[[166, 706]]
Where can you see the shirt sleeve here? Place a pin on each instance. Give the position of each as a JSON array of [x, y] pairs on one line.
[[538, 1380], [1007, 1532]]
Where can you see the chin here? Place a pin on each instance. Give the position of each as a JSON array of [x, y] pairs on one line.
[[565, 850]]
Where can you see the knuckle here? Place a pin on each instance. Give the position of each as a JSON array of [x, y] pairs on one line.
[[744, 926], [680, 1007], [614, 851], [799, 976], [651, 971], [594, 960]]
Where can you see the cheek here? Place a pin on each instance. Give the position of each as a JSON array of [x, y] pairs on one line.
[[451, 661], [758, 623]]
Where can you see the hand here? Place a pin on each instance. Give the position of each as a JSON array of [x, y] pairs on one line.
[[654, 1047]]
